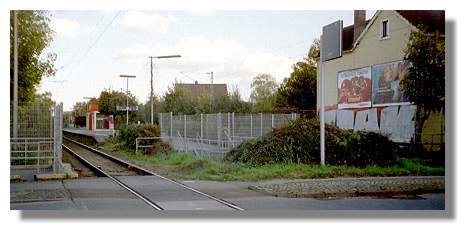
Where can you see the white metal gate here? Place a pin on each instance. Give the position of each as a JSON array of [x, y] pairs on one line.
[[38, 145]]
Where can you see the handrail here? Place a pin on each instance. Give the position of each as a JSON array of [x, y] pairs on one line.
[[144, 146]]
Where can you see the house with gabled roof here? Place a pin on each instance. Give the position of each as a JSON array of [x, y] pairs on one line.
[[363, 87], [196, 89]]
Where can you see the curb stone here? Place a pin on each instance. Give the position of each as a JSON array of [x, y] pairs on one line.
[[353, 187], [58, 176]]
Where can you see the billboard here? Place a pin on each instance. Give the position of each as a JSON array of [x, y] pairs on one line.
[[331, 40], [354, 88], [387, 83]]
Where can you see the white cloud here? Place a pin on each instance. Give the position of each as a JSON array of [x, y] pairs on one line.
[[70, 28], [201, 13], [231, 62], [140, 21]]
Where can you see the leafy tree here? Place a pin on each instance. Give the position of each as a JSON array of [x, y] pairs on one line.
[[425, 85], [80, 109], [109, 99], [236, 104], [299, 89], [178, 100], [44, 99], [34, 35], [144, 110], [107, 102], [263, 92]]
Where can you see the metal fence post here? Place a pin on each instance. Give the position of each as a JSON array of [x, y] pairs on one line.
[[261, 133], [39, 149], [272, 121], [171, 125], [184, 126], [25, 150], [251, 124], [219, 128], [202, 117], [61, 119], [51, 134], [228, 123], [233, 125], [207, 127]]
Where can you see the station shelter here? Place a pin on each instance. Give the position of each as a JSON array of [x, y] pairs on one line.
[[95, 121]]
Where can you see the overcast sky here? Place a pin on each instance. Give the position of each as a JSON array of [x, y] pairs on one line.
[[94, 47]]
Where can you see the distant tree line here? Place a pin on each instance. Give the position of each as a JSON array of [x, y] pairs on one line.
[[297, 92]]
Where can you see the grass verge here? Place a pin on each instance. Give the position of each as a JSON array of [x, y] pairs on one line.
[[187, 167]]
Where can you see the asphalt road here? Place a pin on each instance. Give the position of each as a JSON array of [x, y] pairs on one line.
[[102, 194]]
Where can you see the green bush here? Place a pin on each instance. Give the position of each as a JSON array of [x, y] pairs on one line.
[[299, 142], [128, 134]]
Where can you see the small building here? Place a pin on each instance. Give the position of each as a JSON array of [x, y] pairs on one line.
[[94, 121], [362, 88]]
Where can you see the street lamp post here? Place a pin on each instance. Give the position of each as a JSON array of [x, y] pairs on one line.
[[127, 95], [151, 80]]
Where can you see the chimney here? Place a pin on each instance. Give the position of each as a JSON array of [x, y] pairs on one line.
[[359, 22]]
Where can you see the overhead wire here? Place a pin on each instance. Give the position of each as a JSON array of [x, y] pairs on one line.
[[80, 49], [94, 43]]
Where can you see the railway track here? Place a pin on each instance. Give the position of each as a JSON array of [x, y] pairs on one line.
[[105, 165]]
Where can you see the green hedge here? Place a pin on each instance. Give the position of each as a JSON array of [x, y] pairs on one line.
[[299, 142], [127, 135]]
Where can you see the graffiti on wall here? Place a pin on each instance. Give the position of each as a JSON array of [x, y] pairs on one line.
[[396, 122]]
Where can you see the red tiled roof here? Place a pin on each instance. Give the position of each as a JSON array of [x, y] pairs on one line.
[[432, 20], [348, 36], [196, 90]]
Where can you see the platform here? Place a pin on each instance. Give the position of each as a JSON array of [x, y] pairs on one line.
[[99, 135]]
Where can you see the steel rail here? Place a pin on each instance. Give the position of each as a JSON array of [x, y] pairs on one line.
[[101, 172], [138, 168]]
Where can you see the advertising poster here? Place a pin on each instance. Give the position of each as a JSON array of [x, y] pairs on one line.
[[387, 83], [354, 88]]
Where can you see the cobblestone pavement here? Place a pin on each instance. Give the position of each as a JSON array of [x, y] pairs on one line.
[[350, 187], [38, 195]]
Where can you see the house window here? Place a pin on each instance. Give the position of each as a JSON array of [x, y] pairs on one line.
[[385, 32]]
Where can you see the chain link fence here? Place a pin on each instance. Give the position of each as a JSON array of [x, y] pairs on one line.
[[38, 144], [213, 135]]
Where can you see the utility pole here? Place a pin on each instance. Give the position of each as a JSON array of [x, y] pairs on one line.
[[151, 80], [211, 95], [15, 74]]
